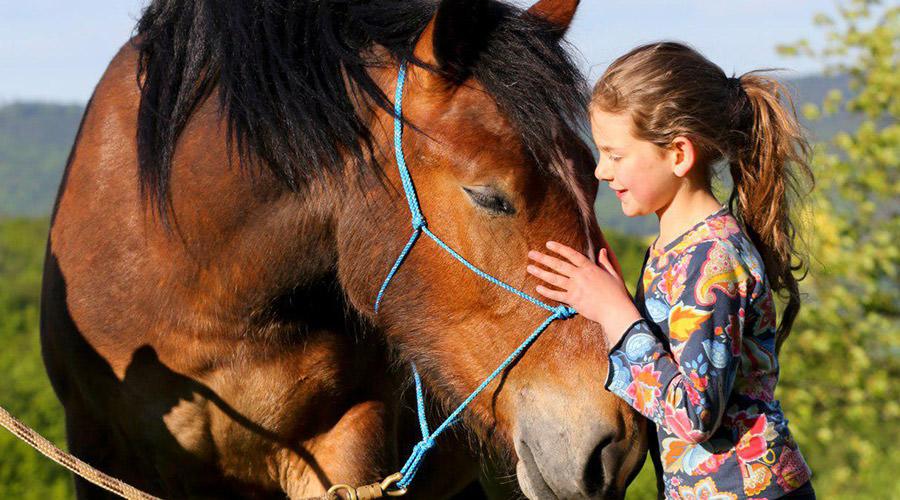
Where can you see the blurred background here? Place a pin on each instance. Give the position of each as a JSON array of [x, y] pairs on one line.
[[840, 369]]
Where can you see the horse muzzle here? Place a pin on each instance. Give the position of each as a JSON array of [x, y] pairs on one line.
[[566, 452]]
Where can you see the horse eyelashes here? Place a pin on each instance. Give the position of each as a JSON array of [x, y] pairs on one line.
[[491, 199]]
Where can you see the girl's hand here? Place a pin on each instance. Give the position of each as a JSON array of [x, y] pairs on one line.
[[597, 292]]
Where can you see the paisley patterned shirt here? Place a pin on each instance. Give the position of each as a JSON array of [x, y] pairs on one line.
[[701, 364]]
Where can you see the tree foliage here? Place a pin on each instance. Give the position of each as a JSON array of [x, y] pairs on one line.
[[25, 391], [840, 366]]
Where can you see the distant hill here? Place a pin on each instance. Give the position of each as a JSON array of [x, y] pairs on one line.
[[35, 139]]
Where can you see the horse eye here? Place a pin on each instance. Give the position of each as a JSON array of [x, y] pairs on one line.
[[490, 199]]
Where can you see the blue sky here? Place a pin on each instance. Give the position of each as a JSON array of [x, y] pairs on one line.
[[56, 51]]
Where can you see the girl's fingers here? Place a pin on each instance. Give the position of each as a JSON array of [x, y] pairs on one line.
[[560, 266], [603, 259], [574, 256], [552, 278], [608, 264], [551, 294]]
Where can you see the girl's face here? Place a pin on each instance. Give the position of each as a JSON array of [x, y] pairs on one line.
[[639, 171]]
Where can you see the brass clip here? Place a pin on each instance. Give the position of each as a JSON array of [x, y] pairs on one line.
[[390, 481], [368, 491]]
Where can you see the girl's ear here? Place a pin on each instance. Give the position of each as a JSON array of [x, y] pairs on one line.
[[683, 155]]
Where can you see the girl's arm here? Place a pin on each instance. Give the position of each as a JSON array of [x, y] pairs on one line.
[[685, 387]]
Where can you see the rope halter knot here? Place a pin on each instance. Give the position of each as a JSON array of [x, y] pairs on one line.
[[418, 222], [564, 312], [426, 444]]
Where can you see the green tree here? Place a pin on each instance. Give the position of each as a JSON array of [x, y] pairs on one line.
[[841, 364], [25, 391]]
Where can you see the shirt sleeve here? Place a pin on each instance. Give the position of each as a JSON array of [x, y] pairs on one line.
[[684, 386]]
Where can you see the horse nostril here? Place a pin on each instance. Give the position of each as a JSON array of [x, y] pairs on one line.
[[568, 463], [572, 454]]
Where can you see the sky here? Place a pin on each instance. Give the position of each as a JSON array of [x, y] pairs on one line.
[[51, 50]]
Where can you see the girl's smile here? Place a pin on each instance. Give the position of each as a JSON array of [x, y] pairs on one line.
[[638, 171]]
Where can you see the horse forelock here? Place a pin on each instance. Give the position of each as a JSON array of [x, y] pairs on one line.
[[289, 74]]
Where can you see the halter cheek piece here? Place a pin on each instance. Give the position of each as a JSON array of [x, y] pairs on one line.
[[406, 474]]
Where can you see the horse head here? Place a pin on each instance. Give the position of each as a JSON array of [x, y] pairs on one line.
[[490, 107]]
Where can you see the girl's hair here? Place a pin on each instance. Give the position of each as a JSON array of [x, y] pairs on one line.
[[671, 90]]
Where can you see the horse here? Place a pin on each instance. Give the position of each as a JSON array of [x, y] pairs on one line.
[[230, 206]]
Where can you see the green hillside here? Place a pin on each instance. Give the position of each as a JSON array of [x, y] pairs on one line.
[[35, 139]]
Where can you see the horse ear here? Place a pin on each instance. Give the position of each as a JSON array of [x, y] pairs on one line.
[[454, 37], [558, 13]]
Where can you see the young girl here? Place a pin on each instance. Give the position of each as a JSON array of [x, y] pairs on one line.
[[696, 351]]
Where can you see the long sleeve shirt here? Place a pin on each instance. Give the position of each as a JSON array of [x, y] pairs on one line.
[[701, 364]]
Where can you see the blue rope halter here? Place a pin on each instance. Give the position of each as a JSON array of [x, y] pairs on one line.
[[409, 469]]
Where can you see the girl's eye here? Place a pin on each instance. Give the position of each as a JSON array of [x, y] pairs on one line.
[[615, 158]]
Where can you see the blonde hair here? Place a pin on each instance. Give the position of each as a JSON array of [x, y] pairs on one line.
[[670, 90]]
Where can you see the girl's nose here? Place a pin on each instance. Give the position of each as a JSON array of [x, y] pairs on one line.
[[602, 173]]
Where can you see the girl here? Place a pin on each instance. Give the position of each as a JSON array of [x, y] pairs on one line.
[[696, 351]]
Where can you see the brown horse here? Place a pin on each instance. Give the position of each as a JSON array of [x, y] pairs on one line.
[[225, 344]]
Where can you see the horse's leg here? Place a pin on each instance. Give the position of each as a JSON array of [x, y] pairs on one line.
[[369, 436], [86, 441], [358, 444], [91, 441], [301, 415], [349, 452]]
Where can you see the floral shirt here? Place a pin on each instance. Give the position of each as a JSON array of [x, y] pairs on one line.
[[701, 364]]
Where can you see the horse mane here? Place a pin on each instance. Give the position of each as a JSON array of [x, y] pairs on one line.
[[290, 74]]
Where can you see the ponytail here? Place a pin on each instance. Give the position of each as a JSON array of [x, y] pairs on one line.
[[670, 90], [767, 155]]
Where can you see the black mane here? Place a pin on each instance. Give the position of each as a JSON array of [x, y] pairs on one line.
[[278, 68]]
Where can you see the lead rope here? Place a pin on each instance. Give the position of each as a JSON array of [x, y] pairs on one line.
[[77, 466], [71, 462], [408, 472]]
